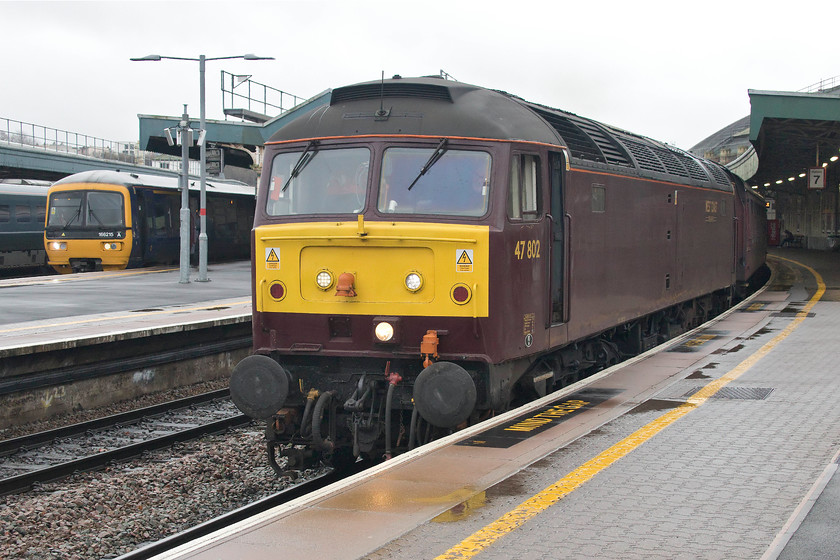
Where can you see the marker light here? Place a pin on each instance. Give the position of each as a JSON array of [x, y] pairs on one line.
[[58, 246], [413, 281], [277, 291], [112, 246], [460, 294], [324, 279], [384, 331]]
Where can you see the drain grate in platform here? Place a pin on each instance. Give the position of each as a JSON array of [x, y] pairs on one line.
[[743, 393]]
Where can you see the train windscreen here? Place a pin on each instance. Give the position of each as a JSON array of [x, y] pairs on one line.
[[316, 181], [81, 209], [65, 209], [429, 181]]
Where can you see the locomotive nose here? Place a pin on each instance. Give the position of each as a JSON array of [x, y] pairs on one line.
[[259, 386]]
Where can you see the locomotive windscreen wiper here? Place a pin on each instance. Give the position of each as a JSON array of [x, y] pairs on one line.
[[302, 162], [73, 219], [436, 155]]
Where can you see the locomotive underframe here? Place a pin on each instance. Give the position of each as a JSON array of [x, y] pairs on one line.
[[343, 408]]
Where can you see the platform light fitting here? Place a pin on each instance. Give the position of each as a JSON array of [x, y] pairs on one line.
[[168, 133]]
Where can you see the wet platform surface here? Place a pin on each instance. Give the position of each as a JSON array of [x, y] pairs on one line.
[[722, 444], [52, 310]]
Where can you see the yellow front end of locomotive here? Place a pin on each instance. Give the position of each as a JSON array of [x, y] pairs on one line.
[[373, 268]]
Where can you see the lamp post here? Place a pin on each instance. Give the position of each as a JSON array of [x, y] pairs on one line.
[[202, 237]]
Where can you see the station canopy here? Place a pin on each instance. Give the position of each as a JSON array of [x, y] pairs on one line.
[[793, 132]]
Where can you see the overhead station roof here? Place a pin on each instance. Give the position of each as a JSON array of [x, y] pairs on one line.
[[792, 132]]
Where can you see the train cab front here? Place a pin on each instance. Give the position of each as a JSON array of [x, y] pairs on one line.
[[371, 271], [88, 228]]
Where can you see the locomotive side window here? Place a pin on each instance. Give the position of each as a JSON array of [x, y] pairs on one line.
[[314, 181], [523, 200], [4, 213], [457, 182]]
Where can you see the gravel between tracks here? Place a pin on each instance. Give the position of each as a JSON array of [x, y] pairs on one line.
[[107, 513]]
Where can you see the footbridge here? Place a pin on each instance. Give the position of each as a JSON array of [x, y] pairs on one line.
[[32, 151]]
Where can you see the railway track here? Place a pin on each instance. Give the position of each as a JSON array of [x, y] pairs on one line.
[[245, 512], [55, 454]]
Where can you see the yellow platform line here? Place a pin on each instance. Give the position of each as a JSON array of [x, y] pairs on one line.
[[541, 501]]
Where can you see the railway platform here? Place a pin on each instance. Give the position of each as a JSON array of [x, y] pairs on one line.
[[77, 341], [82, 309], [721, 444]]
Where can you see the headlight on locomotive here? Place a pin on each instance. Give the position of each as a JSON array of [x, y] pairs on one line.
[[386, 330], [324, 279], [58, 246], [112, 246], [413, 282]]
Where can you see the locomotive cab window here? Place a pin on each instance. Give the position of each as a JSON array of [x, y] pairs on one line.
[[455, 182], [523, 200], [318, 181]]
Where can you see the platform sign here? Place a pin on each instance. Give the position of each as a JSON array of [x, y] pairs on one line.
[[214, 161], [816, 178]]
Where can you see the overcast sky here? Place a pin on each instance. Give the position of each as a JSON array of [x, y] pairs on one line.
[[672, 70]]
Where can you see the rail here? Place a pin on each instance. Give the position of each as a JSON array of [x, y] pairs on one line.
[[39, 137]]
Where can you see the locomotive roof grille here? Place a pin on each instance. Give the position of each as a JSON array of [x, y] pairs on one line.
[[718, 173], [670, 161], [585, 140], [644, 156], [694, 168], [390, 89]]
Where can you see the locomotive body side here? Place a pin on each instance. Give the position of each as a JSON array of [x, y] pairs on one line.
[[641, 246]]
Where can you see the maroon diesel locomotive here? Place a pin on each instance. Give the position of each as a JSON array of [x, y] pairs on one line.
[[427, 253]]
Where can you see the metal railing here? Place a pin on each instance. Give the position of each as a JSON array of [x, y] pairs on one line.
[[823, 86], [268, 101], [39, 137]]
